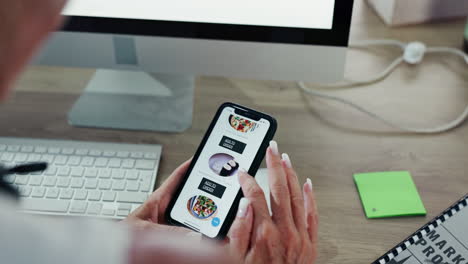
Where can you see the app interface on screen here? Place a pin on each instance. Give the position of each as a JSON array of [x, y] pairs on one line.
[[292, 13], [212, 186]]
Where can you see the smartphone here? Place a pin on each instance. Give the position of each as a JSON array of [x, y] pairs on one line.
[[208, 196]]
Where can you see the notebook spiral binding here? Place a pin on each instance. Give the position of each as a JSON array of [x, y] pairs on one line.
[[431, 225]]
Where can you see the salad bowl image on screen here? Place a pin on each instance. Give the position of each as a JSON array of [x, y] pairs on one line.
[[241, 124], [201, 207], [223, 164]]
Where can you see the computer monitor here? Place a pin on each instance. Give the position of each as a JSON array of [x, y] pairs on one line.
[[147, 52]]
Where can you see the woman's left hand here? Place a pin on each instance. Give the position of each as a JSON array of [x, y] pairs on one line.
[[151, 214]]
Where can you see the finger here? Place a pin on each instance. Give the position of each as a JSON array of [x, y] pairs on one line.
[[256, 196], [257, 199], [297, 197], [279, 191], [241, 230], [311, 211]]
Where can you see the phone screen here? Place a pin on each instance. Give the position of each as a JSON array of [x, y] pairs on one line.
[[212, 186]]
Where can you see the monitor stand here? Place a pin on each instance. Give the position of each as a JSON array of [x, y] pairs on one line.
[[135, 101]]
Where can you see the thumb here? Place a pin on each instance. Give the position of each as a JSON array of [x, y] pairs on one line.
[[241, 229]]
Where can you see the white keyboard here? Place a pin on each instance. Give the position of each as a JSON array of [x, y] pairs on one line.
[[83, 178]]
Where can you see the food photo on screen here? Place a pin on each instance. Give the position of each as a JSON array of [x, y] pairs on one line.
[[241, 124], [201, 207], [223, 164]]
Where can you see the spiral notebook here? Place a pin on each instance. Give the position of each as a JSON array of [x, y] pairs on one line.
[[442, 240]]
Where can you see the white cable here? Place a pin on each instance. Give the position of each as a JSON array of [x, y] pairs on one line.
[[413, 54]]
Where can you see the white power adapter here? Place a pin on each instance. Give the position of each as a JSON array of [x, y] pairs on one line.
[[413, 54]]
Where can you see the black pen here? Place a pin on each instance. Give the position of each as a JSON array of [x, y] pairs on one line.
[[19, 169]]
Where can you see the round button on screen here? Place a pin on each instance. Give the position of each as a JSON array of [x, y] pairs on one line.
[[215, 222]]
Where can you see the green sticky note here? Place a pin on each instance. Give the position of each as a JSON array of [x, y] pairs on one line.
[[389, 194]]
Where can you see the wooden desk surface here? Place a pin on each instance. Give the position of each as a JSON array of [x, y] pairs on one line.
[[327, 142]]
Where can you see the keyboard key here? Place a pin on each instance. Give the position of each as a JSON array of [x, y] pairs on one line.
[[109, 153], [94, 208], [47, 158], [53, 193], [53, 150], [104, 173], [7, 156], [123, 212], [25, 191], [22, 179], [131, 197], [91, 173], [77, 172], [63, 182], [27, 149], [40, 149], [61, 160], [145, 180], [95, 153], [128, 163], [91, 184], [101, 162], [115, 163], [36, 180], [74, 161], [78, 207], [150, 155], [118, 185], [77, 182], [145, 164], [56, 206], [13, 148], [33, 158], [94, 195], [21, 157], [63, 171], [68, 151], [133, 185], [50, 181], [125, 206], [51, 171], [108, 212], [81, 194], [136, 155], [118, 174], [131, 174], [109, 209], [105, 184], [123, 154], [81, 152], [38, 192], [109, 196], [87, 161], [66, 193]]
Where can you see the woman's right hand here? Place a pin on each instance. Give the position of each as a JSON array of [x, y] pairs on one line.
[[290, 234]]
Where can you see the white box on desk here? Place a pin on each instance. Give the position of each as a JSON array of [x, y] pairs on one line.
[[403, 12]]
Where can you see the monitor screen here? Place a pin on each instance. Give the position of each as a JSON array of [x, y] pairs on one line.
[[311, 14]]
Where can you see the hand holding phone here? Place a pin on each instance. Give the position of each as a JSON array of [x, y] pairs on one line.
[[207, 199]]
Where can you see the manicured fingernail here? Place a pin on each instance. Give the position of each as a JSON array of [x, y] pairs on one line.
[[241, 171], [309, 182], [274, 147], [243, 207], [286, 160]]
